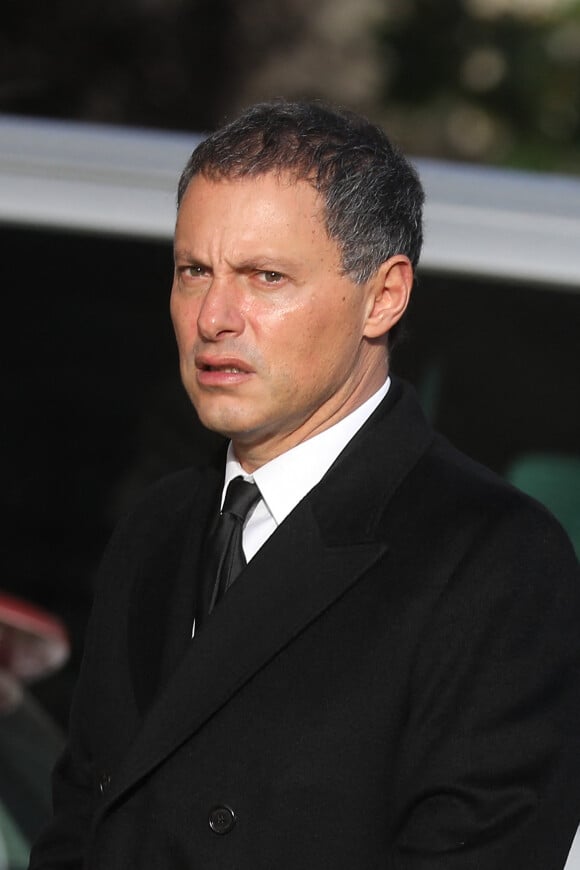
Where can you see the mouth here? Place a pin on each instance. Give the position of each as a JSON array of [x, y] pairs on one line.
[[227, 370], [235, 370]]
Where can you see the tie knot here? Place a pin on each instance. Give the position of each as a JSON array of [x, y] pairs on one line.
[[241, 496]]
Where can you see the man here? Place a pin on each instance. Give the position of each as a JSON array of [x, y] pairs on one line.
[[392, 681]]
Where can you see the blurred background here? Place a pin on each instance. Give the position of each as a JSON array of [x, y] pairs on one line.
[[485, 80], [92, 407]]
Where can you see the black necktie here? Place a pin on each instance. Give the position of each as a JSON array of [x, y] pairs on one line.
[[226, 556]]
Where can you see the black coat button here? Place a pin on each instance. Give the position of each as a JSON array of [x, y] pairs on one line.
[[222, 820], [104, 782]]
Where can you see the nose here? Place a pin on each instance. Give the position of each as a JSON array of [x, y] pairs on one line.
[[220, 315]]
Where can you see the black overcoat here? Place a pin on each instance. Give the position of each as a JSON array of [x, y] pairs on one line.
[[393, 682]]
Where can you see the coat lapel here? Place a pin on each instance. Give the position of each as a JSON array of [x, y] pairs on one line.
[[163, 601], [325, 546]]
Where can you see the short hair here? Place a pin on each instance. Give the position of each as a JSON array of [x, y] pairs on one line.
[[372, 195]]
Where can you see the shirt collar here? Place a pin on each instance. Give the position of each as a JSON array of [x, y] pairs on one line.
[[285, 480]]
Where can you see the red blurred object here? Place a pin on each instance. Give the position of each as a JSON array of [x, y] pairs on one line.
[[33, 643]]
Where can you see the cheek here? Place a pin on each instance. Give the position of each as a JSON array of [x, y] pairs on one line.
[[303, 355], [293, 343], [184, 319], [329, 334]]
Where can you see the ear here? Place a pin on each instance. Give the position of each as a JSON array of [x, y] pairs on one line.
[[390, 293]]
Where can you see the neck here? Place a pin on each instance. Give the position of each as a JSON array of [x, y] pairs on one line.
[[253, 454]]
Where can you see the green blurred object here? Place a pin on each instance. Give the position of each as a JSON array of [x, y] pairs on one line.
[[13, 846], [429, 389], [554, 480]]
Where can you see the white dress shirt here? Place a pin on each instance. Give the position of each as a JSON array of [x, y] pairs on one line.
[[285, 480]]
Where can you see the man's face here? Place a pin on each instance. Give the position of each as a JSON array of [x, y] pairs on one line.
[[271, 333]]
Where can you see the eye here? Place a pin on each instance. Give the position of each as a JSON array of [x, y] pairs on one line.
[[270, 277], [195, 271]]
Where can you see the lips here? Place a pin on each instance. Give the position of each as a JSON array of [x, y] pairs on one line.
[[216, 371], [229, 365]]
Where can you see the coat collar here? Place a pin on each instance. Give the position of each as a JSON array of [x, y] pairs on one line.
[[326, 544], [350, 500]]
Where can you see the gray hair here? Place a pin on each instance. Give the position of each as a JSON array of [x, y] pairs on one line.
[[372, 195]]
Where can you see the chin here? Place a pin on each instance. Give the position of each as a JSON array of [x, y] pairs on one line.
[[224, 421]]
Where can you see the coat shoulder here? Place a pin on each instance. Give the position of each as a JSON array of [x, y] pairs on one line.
[[460, 508], [161, 506], [466, 484]]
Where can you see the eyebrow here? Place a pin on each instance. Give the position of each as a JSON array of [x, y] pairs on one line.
[[266, 261], [184, 254], [259, 261]]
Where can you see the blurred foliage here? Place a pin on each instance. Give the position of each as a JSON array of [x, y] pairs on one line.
[[501, 87], [483, 80]]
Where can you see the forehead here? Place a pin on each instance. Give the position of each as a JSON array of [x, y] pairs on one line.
[[270, 201]]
